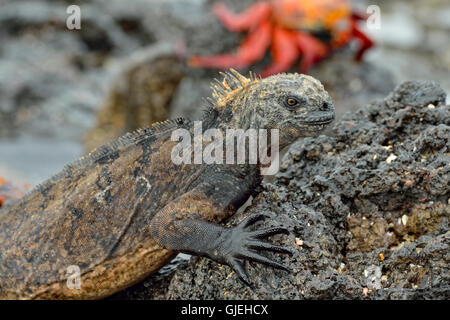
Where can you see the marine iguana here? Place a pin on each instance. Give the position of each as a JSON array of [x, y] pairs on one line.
[[125, 210]]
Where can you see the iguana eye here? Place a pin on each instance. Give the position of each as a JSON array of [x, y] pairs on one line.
[[291, 102]]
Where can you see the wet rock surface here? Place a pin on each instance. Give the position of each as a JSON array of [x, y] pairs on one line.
[[368, 209]]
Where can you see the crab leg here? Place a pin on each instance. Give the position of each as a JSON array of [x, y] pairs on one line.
[[366, 42], [284, 52], [312, 50], [250, 51], [357, 15], [251, 17]]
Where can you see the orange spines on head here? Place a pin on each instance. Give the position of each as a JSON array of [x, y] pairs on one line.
[[231, 83]]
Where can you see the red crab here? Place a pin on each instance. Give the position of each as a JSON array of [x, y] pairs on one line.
[[9, 192], [293, 28]]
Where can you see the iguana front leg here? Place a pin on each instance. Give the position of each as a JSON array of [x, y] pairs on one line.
[[185, 225]]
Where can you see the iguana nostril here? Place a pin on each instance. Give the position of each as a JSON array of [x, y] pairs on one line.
[[325, 107]]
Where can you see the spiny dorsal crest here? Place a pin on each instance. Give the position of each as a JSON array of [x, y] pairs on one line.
[[232, 82], [89, 160]]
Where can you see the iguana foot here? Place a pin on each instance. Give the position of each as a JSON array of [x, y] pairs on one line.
[[239, 244]]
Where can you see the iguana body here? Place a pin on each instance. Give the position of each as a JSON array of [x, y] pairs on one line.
[[126, 209]]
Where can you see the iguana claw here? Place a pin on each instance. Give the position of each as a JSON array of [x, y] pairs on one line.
[[241, 243]]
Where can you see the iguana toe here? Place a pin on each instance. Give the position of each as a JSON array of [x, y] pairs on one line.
[[252, 219], [253, 256], [239, 268], [267, 232], [261, 245]]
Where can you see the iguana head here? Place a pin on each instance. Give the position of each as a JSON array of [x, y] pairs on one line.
[[296, 104]]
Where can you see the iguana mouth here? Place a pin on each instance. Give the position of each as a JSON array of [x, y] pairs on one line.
[[319, 120]]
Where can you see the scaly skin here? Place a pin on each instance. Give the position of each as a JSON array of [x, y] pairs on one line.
[[126, 209]]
